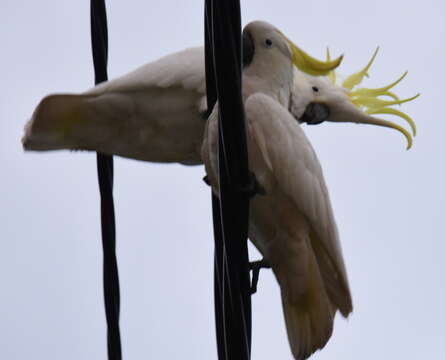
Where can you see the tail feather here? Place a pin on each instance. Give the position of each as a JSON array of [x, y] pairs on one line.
[[336, 285], [307, 330], [308, 311], [55, 121], [156, 125]]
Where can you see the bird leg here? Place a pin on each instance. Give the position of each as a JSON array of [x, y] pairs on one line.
[[252, 188], [256, 266]]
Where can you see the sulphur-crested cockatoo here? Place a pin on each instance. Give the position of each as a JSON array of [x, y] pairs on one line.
[[156, 113], [292, 223]]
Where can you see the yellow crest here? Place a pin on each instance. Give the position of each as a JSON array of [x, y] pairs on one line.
[[370, 101]]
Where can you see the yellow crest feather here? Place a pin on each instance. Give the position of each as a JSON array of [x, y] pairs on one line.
[[372, 102], [369, 100], [381, 91], [331, 75], [309, 64], [357, 78]]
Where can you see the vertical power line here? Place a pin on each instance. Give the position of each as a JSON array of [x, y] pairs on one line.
[[231, 210], [99, 41], [232, 284]]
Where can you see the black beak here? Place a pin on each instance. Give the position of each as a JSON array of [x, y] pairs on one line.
[[248, 48], [315, 113]]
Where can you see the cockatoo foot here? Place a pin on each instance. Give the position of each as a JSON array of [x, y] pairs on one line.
[[206, 180], [255, 267], [252, 188]]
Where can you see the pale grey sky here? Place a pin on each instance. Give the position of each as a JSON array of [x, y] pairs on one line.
[[389, 203]]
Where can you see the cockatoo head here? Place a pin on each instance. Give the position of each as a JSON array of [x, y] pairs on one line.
[[267, 50], [346, 103]]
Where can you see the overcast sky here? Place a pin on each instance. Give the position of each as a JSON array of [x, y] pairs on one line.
[[389, 203]]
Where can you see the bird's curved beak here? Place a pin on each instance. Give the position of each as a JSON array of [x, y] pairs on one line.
[[315, 114], [248, 48]]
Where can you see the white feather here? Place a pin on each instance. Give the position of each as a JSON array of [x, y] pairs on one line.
[[153, 113]]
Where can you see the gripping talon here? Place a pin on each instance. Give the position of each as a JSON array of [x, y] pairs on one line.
[[206, 180], [255, 267]]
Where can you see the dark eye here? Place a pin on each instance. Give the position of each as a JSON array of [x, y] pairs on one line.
[[268, 42], [315, 88]]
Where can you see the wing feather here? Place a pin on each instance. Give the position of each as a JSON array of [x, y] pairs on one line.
[[297, 171], [183, 69], [151, 114]]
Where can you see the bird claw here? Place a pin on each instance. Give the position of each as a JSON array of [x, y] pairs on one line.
[[206, 179], [255, 267], [252, 188]]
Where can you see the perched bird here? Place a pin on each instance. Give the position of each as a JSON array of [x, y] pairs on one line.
[[157, 112], [292, 223]]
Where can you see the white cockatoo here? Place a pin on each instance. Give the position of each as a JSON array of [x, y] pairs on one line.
[[157, 112], [291, 222]]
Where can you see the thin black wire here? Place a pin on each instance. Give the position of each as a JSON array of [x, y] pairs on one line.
[[232, 282], [99, 40], [216, 207]]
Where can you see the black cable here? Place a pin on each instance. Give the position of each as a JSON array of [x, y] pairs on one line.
[[99, 40], [217, 230], [232, 282]]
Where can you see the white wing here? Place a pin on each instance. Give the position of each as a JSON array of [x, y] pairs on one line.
[[183, 69], [297, 171], [153, 113]]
